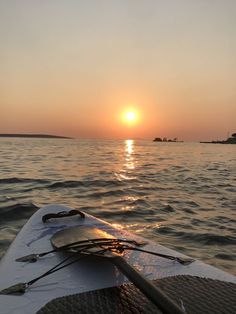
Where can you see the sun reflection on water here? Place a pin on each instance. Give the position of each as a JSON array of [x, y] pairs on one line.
[[129, 158], [129, 146], [129, 163], [127, 172]]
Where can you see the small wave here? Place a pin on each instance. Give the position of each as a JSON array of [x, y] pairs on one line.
[[168, 209], [223, 219], [203, 238], [188, 210], [17, 211], [21, 180], [118, 192], [224, 256], [65, 184], [206, 209], [231, 189], [191, 203], [128, 214], [211, 239], [85, 183], [103, 183], [139, 202], [130, 202], [165, 230], [148, 165]]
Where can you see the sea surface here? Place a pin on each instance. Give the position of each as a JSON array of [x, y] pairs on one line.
[[182, 195]]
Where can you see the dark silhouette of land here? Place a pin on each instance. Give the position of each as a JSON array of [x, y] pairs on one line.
[[159, 139], [230, 140], [35, 136]]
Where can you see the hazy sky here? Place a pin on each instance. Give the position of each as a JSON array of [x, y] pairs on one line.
[[73, 67]]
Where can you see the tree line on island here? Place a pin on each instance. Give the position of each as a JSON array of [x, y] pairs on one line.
[[229, 140]]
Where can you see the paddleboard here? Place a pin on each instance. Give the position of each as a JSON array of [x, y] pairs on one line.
[[86, 274]]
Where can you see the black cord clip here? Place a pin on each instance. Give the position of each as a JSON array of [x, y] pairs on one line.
[[17, 289]]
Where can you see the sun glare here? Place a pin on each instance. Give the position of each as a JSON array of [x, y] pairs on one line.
[[130, 117]]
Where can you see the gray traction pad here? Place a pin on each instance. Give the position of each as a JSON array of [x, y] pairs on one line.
[[197, 295]]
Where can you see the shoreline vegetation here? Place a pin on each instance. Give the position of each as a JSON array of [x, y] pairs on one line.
[[35, 136], [230, 140]]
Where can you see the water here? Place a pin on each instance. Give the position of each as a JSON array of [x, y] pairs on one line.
[[181, 195]]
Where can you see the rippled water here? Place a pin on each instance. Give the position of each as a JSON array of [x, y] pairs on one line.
[[182, 195]]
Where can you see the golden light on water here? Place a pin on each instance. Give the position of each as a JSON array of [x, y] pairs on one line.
[[127, 171], [129, 160], [129, 147]]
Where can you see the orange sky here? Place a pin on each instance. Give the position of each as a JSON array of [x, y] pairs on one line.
[[72, 68]]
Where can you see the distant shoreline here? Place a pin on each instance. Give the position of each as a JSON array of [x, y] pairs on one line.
[[35, 136], [230, 140]]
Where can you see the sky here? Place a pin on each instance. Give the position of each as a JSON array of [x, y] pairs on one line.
[[75, 68]]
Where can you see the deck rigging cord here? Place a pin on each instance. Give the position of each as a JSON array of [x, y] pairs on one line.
[[75, 249], [18, 289], [91, 243], [21, 287], [104, 241]]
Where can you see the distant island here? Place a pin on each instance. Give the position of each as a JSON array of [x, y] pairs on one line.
[[175, 140], [230, 140], [35, 136]]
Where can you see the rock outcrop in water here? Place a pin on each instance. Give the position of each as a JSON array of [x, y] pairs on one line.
[[230, 140], [165, 139]]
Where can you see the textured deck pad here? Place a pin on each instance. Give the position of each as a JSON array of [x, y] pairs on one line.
[[195, 295]]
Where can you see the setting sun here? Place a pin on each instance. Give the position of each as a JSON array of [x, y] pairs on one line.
[[130, 117]]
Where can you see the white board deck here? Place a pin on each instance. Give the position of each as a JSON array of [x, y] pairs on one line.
[[85, 275]]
